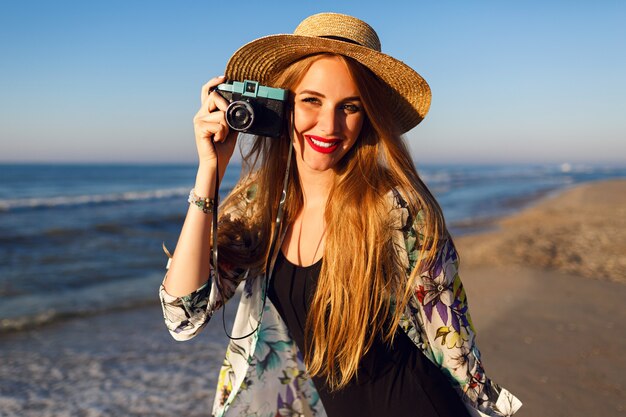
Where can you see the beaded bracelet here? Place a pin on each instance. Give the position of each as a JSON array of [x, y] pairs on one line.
[[206, 204]]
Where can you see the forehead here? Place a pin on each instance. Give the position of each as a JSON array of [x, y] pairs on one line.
[[329, 76]]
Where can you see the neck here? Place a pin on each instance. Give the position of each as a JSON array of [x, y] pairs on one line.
[[316, 185], [304, 240]]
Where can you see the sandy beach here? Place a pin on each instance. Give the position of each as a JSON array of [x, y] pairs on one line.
[[545, 288]]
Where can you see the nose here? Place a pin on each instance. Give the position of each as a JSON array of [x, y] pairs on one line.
[[329, 120]]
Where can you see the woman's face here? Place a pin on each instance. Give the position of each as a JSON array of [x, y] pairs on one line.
[[328, 115]]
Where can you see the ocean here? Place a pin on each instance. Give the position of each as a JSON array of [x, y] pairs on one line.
[[81, 332], [86, 239]]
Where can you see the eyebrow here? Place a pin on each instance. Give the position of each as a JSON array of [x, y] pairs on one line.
[[315, 93]]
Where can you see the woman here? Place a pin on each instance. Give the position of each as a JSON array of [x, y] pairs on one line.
[[356, 308]]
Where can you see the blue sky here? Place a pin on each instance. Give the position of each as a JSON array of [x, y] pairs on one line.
[[533, 81]]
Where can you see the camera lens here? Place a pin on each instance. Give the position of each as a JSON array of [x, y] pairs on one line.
[[240, 115]]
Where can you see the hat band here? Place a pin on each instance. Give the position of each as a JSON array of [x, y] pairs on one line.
[[339, 38]]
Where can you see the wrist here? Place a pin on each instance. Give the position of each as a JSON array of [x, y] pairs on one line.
[[207, 165], [204, 204], [205, 180]]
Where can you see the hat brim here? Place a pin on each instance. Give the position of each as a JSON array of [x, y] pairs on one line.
[[262, 59]]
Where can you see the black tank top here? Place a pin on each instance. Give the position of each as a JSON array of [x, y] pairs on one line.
[[395, 380]]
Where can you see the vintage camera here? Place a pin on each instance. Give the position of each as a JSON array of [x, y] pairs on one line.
[[254, 109]]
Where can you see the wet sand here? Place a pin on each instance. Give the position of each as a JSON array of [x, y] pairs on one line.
[[117, 364], [550, 331]]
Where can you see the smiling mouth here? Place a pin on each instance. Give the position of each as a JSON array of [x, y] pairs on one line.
[[322, 145]]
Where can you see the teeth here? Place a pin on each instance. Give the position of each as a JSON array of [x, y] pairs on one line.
[[322, 144]]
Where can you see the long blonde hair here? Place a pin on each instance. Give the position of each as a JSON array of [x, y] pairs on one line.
[[362, 289]]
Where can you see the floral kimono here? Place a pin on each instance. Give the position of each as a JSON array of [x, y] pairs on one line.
[[264, 375]]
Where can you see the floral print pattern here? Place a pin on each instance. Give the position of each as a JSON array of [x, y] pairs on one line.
[[264, 375]]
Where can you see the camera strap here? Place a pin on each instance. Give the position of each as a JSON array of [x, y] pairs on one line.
[[272, 253]]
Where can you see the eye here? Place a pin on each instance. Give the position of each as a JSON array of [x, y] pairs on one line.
[[311, 100], [351, 108]]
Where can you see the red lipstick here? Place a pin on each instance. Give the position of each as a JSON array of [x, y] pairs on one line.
[[322, 145]]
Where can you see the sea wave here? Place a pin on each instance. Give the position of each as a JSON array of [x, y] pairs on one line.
[[78, 200], [26, 311]]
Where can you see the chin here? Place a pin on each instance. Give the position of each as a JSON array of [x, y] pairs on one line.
[[321, 167], [320, 164]]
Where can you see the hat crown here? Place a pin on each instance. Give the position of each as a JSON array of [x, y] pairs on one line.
[[264, 59], [339, 27]]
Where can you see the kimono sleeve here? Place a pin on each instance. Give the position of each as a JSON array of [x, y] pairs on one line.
[[451, 336], [186, 316], [438, 321]]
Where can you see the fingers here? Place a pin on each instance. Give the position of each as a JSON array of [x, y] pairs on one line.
[[213, 103], [212, 108], [216, 102], [213, 82], [211, 130], [210, 99], [211, 125], [216, 131]]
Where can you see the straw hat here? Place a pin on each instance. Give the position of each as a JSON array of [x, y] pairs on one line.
[[263, 58]]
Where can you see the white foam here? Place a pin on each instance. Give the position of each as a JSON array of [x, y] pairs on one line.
[[46, 202]]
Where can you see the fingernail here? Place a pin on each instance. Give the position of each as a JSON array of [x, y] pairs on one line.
[[222, 76]]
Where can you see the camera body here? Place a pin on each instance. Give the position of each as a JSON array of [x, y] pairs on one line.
[[254, 108]]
